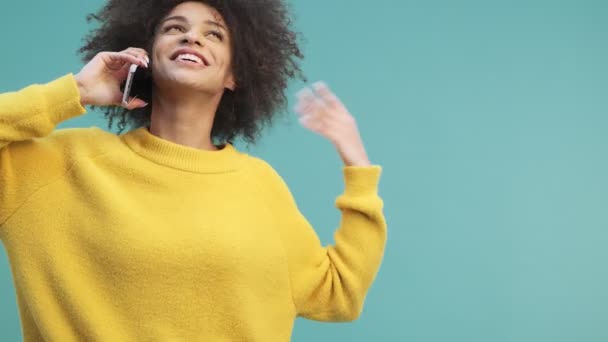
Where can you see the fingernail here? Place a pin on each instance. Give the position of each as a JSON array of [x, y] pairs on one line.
[[319, 85], [306, 92]]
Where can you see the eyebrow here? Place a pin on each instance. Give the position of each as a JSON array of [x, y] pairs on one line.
[[183, 19]]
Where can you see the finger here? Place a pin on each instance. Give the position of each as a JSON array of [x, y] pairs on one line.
[[305, 95], [305, 98], [137, 51], [300, 109], [326, 95], [135, 103], [306, 121], [119, 59], [141, 53], [309, 122], [308, 102], [312, 107]]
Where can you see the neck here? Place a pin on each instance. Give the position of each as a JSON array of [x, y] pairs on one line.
[[185, 119]]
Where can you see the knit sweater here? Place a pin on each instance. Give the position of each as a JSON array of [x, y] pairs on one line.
[[134, 238]]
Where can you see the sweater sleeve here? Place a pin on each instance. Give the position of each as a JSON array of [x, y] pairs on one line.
[[27, 160], [331, 283], [35, 111]]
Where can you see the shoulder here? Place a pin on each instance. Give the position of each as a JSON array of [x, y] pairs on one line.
[[261, 168], [258, 165], [263, 172]]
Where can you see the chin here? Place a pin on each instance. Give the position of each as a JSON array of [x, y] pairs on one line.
[[185, 85]]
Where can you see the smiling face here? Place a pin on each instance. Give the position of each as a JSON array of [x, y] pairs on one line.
[[192, 50]]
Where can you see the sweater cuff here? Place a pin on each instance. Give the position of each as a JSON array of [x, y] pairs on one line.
[[62, 98], [361, 181]]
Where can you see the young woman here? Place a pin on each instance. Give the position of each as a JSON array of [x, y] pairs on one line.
[[167, 232]]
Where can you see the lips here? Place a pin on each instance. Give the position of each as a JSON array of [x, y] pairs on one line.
[[189, 55]]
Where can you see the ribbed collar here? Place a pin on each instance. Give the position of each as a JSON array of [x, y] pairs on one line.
[[181, 157]]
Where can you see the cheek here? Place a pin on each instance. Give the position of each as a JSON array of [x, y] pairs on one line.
[[155, 54], [159, 47], [225, 58], [158, 59]]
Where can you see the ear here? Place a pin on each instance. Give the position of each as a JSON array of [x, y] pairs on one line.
[[230, 83]]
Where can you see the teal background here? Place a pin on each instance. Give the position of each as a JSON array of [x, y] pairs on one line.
[[490, 119]]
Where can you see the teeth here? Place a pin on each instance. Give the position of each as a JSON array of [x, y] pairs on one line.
[[190, 57]]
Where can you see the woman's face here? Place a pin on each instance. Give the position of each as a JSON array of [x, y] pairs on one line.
[[192, 50]]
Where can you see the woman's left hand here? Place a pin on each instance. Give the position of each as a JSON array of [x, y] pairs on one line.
[[323, 113]]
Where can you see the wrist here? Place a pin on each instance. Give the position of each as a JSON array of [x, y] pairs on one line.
[[82, 90], [358, 162], [353, 155]]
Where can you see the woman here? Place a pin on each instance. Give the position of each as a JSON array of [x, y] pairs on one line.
[[167, 232]]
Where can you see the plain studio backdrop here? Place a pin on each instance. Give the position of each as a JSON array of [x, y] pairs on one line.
[[490, 119]]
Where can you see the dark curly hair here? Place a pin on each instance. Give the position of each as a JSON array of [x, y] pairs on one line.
[[265, 55]]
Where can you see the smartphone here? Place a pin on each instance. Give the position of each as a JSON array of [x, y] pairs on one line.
[[128, 84]]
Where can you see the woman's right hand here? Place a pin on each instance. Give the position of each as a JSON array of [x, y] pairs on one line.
[[99, 80]]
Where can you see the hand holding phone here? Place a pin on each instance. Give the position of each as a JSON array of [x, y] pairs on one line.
[[99, 81]]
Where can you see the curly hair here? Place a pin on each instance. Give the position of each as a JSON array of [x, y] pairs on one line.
[[265, 56]]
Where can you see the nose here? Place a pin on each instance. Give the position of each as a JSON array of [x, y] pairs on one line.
[[191, 37]]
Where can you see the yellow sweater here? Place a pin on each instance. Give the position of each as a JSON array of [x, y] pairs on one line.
[[135, 238]]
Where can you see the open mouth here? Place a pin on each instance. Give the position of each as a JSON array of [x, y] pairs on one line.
[[190, 57]]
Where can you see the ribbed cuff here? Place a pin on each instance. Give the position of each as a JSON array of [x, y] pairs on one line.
[[62, 99], [361, 180]]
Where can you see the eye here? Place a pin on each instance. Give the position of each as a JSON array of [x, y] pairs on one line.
[[216, 34], [174, 28]]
